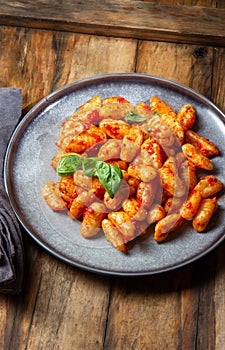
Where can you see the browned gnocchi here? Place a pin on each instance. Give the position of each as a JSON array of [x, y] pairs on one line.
[[124, 169]]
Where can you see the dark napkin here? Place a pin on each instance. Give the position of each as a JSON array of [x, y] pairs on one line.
[[11, 244]]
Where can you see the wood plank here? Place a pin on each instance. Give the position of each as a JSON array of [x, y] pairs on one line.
[[63, 58], [61, 307], [190, 65], [206, 3], [219, 298], [55, 298], [204, 282], [156, 312], [124, 18], [218, 93]]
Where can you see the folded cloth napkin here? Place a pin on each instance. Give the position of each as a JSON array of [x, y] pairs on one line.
[[11, 244]]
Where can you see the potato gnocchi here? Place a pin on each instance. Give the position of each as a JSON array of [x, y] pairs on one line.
[[125, 168]]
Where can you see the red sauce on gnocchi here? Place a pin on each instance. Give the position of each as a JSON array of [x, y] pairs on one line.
[[143, 144]]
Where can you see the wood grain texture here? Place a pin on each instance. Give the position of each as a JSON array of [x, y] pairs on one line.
[[205, 3], [218, 96], [146, 326], [219, 300], [124, 18], [66, 308], [57, 301], [62, 59], [190, 65], [218, 91]]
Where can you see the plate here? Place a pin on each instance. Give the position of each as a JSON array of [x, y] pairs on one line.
[[27, 168]]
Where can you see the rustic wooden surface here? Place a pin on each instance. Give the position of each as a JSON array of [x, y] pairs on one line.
[[125, 18], [66, 308]]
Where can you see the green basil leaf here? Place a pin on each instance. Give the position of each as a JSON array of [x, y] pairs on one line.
[[68, 165], [89, 166], [133, 117], [110, 177]]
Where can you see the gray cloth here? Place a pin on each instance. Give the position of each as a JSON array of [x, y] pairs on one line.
[[11, 244]]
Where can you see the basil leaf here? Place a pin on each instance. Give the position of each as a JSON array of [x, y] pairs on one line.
[[68, 165], [133, 117], [89, 166], [110, 177]]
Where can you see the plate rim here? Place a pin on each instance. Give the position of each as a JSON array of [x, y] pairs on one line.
[[48, 100]]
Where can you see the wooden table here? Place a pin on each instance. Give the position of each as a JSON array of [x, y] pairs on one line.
[[45, 45]]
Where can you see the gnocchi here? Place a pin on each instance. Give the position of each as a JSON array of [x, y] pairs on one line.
[[125, 168]]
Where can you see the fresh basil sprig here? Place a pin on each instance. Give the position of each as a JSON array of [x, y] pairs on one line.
[[109, 175], [133, 117], [68, 165]]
